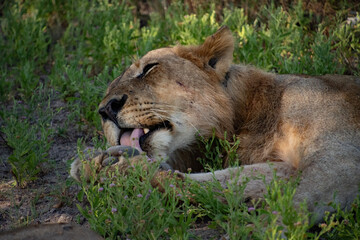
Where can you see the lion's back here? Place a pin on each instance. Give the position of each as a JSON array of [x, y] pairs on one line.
[[323, 112], [327, 101]]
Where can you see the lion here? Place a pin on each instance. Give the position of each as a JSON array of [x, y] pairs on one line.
[[306, 126]]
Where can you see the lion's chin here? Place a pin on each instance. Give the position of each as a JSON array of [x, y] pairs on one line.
[[157, 144]]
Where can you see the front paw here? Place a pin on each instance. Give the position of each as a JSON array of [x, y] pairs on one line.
[[80, 167], [118, 154], [92, 162]]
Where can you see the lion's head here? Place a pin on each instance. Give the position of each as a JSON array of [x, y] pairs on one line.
[[162, 100]]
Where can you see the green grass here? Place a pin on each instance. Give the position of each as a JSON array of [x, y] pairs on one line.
[[27, 130], [73, 49], [128, 206], [218, 153]]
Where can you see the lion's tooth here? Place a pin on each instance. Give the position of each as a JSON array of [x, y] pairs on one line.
[[146, 130]]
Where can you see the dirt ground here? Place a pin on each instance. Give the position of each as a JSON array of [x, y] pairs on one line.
[[47, 199], [52, 198]]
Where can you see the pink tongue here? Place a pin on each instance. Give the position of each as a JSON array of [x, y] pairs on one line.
[[132, 138]]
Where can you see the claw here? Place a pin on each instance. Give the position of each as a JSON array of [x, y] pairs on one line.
[[164, 167], [119, 150], [109, 161]]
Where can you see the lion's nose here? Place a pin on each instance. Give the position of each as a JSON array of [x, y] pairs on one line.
[[112, 108]]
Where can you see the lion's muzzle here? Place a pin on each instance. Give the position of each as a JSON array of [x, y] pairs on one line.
[[112, 108]]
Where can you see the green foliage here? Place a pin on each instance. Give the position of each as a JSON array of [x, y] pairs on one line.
[[23, 45], [227, 207], [77, 47], [344, 224], [218, 152], [121, 205], [192, 29], [29, 136], [127, 206], [28, 151], [274, 218], [286, 42], [281, 211]]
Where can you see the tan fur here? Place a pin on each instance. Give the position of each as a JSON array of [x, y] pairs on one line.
[[305, 123], [288, 145]]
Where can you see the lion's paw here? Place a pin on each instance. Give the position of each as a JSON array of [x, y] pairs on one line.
[[94, 160], [116, 153], [80, 166]]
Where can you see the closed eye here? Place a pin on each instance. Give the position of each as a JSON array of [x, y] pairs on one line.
[[146, 70]]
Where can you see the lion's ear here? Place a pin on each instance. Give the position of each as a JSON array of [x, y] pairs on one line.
[[216, 52]]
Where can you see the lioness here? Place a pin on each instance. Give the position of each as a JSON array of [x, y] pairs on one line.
[[296, 123]]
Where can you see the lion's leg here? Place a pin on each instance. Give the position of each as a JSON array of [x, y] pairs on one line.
[[255, 187], [332, 174]]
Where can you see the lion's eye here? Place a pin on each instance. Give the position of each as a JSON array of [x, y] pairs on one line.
[[146, 69]]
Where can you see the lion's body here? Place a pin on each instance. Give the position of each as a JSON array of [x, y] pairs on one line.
[[299, 123], [310, 123]]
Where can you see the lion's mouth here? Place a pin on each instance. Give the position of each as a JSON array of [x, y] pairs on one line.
[[137, 137]]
